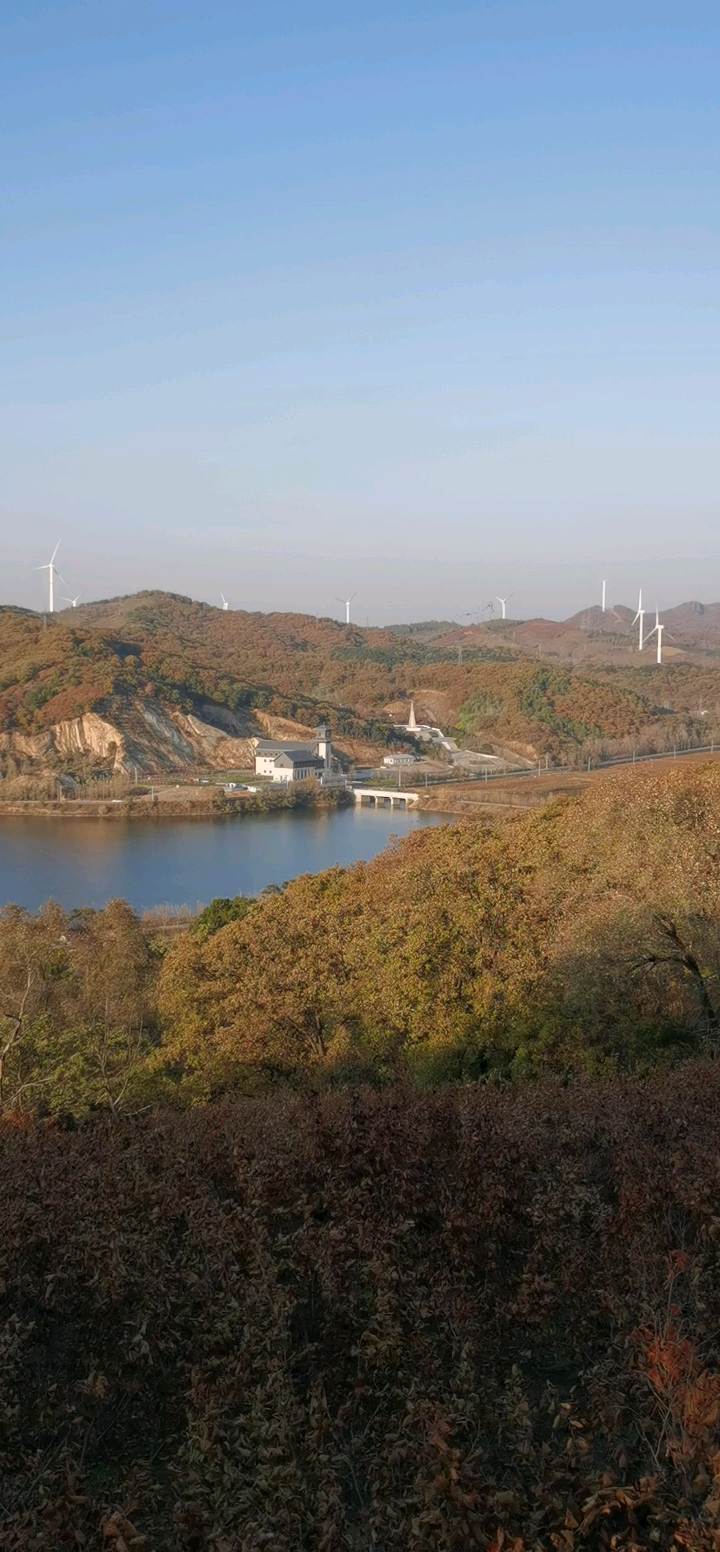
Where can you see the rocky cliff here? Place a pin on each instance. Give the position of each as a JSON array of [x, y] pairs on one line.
[[144, 736]]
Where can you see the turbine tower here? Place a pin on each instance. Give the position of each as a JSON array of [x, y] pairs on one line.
[[640, 616], [657, 627], [52, 572], [347, 602], [605, 581], [502, 601], [225, 602]]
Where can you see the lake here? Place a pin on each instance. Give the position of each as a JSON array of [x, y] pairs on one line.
[[184, 862]]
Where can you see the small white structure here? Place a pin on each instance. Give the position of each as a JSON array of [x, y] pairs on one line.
[[399, 759], [426, 733]]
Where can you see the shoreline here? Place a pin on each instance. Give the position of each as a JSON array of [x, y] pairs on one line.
[[165, 808]]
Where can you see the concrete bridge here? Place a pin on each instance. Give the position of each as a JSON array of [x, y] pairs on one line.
[[385, 797]]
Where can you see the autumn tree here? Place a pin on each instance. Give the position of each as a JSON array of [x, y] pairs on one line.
[[75, 1007], [33, 963], [269, 989], [582, 937]]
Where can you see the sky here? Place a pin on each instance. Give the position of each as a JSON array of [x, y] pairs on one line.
[[403, 300]]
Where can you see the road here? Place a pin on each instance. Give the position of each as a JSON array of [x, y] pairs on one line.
[[522, 791]]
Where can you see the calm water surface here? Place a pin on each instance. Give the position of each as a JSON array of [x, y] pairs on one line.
[[86, 862]]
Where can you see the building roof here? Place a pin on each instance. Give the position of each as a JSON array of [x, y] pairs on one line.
[[292, 757], [277, 745]]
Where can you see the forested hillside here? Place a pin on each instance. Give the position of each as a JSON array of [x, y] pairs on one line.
[[379, 1211], [156, 655], [417, 1323], [582, 938]]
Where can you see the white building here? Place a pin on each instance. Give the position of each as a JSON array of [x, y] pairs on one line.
[[267, 751], [296, 765], [399, 759], [284, 760]]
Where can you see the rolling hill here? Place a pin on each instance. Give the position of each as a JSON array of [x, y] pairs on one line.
[[157, 681]]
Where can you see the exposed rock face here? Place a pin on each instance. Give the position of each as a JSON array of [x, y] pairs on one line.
[[212, 746], [145, 736], [89, 734]]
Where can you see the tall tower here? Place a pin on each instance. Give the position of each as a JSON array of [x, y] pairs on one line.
[[411, 719], [324, 746]]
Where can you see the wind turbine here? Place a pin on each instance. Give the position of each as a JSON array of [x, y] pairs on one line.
[[640, 616], [225, 601], [502, 601], [52, 572], [347, 602], [605, 581], [657, 627], [73, 601]]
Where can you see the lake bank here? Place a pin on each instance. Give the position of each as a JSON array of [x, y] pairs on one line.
[[178, 802]]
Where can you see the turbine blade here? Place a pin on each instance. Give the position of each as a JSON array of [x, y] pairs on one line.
[[54, 553]]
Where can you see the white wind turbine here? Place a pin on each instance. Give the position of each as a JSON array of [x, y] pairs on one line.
[[347, 602], [657, 627], [502, 601], [640, 616], [52, 572], [225, 601], [73, 601], [605, 581]]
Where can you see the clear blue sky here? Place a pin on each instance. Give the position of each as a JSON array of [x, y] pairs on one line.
[[406, 299]]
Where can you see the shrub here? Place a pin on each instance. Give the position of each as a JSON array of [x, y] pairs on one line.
[[427, 1321]]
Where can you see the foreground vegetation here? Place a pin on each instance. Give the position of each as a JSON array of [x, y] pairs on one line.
[[294, 1256], [582, 939], [474, 1319]]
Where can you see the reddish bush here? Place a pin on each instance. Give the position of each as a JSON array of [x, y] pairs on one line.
[[399, 1321]]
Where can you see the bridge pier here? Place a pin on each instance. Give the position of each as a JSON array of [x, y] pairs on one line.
[[381, 797]]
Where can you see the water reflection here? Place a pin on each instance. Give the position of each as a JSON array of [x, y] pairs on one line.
[[86, 862]]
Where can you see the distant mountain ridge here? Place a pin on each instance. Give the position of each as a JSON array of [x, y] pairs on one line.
[[156, 680], [689, 618], [149, 606]]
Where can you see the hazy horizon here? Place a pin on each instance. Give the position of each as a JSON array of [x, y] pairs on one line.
[[359, 619], [420, 305]]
